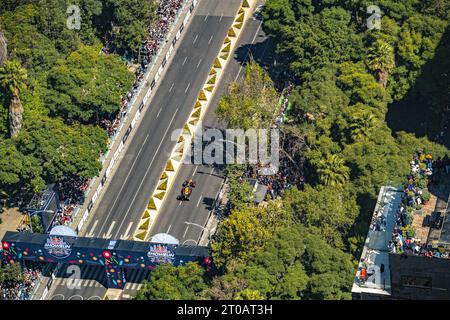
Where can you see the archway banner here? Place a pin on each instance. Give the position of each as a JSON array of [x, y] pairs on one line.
[[113, 255]]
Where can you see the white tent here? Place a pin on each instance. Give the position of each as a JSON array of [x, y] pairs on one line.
[[63, 231], [164, 238]]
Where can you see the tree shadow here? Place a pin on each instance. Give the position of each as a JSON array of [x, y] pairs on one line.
[[209, 203], [418, 112], [263, 53]]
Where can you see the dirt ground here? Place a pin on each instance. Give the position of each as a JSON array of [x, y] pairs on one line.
[[11, 218]]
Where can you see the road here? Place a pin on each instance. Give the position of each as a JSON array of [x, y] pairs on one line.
[[186, 220], [126, 198]]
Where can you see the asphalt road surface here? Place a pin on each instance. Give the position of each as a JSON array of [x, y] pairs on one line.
[[186, 220], [120, 209], [127, 195]]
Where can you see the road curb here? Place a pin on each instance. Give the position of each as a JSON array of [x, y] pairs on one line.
[[132, 123], [199, 109]]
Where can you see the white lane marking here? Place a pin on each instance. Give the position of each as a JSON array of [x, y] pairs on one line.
[[150, 165], [187, 87], [199, 62], [169, 229], [126, 235], [171, 87], [210, 39], [180, 203], [257, 31], [184, 61], [108, 234], [195, 170], [198, 202], [206, 17], [221, 16], [195, 39], [185, 231], [91, 234], [123, 185], [158, 113]]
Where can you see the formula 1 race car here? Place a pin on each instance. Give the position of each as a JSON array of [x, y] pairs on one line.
[[186, 190]]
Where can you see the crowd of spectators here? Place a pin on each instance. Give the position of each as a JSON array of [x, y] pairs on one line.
[[403, 238], [71, 193], [277, 181], [23, 288], [167, 12]]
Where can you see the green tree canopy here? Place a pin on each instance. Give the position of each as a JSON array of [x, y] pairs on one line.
[[173, 283], [251, 103]]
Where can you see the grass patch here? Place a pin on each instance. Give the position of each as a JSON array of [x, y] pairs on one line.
[[202, 96], [141, 235], [151, 204], [217, 63], [212, 80], [145, 225], [160, 195]]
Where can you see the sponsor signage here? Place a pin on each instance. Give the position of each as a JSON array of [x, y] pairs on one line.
[[57, 247], [160, 254]]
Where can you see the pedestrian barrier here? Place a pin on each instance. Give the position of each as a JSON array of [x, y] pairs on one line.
[[136, 117], [173, 164]]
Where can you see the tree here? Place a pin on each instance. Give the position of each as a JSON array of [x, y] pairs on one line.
[[293, 265], [10, 273], [36, 224], [240, 191], [380, 59], [248, 294], [18, 172], [332, 170], [324, 210], [87, 86], [361, 122], [251, 103], [127, 22], [13, 78], [173, 283], [306, 45], [63, 150], [246, 230]]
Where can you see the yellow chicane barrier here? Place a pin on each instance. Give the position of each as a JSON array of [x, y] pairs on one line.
[[198, 111]]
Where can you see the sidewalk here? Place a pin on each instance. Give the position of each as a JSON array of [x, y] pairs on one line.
[[111, 160]]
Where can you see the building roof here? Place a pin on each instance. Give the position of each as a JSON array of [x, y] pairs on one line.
[[444, 238], [375, 254]]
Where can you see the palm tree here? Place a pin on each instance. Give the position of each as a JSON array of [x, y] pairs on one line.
[[361, 125], [13, 79], [381, 60], [332, 171]]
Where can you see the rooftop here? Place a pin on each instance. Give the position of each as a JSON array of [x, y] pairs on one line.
[[375, 255]]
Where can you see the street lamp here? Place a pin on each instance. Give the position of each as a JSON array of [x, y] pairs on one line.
[[201, 227]]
